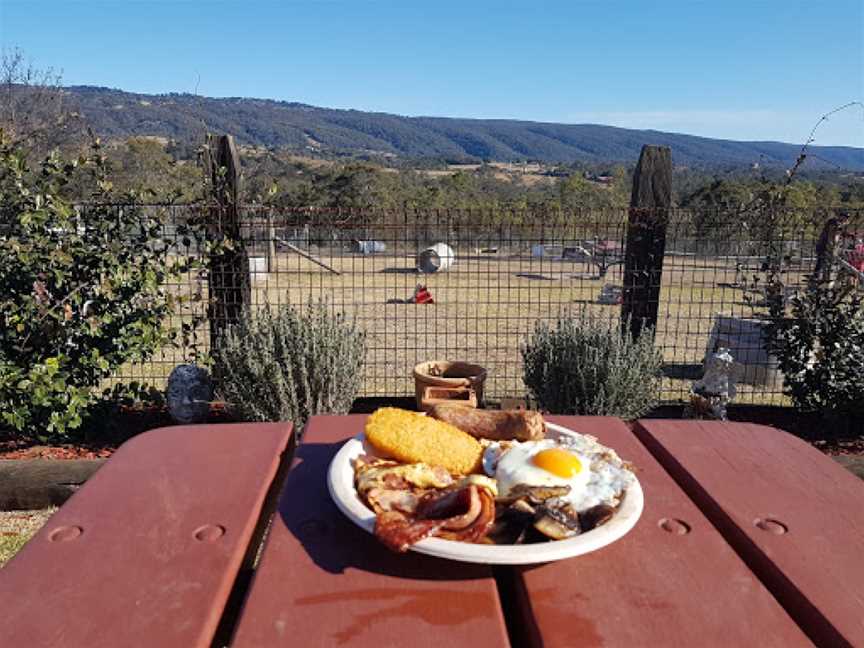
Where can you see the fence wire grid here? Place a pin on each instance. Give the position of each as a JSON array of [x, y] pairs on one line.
[[499, 274]]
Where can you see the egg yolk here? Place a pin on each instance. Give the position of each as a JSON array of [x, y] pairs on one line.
[[558, 462]]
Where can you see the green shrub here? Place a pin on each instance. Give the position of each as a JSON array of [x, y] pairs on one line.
[[286, 363], [585, 365], [820, 349], [82, 291]]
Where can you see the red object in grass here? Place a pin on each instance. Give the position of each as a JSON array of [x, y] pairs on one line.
[[423, 296]]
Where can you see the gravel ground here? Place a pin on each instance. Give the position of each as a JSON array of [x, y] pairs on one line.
[[17, 527]]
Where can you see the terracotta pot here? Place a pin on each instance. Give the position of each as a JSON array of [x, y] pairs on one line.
[[459, 395], [446, 373]]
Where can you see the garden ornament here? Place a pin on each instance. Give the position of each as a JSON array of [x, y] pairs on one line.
[[710, 395], [189, 393]]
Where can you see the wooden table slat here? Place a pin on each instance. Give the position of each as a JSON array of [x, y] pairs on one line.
[[792, 513], [120, 564], [653, 587], [322, 581]]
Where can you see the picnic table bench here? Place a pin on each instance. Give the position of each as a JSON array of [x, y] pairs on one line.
[[749, 537]]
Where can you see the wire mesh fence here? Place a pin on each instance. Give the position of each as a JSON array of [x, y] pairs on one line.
[[471, 285]]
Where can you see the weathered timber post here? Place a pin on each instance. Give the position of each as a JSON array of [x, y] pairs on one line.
[[228, 280], [646, 238], [38, 483], [271, 242], [828, 250]]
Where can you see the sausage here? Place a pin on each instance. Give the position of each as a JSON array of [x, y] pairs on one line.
[[498, 425]]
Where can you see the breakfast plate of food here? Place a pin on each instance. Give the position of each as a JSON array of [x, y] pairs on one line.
[[483, 486]]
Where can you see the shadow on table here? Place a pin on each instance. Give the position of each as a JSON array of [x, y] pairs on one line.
[[336, 544]]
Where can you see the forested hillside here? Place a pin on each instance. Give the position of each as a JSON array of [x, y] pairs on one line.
[[329, 132]]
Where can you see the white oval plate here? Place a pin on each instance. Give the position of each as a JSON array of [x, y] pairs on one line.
[[340, 483]]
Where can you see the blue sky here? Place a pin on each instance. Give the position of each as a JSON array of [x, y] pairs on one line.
[[738, 69]]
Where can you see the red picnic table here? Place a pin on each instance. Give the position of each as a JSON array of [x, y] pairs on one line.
[[749, 537]]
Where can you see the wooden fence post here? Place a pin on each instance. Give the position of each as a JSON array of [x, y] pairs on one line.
[[828, 250], [646, 238], [271, 242], [228, 281]]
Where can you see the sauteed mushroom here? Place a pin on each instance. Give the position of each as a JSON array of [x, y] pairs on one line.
[[536, 513], [557, 523], [595, 516], [533, 494]]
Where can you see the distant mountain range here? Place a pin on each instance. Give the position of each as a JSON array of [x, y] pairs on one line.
[[304, 128]]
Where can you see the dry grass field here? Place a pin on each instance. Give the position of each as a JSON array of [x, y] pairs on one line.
[[485, 305], [16, 529]]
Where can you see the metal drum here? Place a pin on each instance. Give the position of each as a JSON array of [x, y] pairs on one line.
[[436, 258]]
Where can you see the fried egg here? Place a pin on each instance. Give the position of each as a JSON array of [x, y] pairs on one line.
[[541, 463], [594, 473]]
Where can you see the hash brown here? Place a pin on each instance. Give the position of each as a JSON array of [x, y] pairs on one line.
[[413, 438]]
